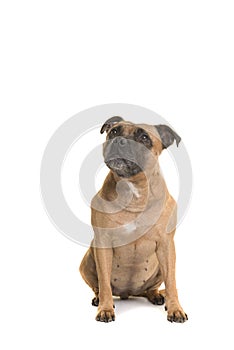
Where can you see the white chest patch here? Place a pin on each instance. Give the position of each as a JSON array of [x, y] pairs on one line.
[[134, 190]]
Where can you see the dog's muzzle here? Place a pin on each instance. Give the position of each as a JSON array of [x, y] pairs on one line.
[[121, 155]]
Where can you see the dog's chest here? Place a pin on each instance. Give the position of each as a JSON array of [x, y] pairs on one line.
[[135, 252]]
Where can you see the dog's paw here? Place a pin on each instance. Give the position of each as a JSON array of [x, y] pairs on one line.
[[155, 297], [176, 315], [95, 301], [158, 299], [105, 316]]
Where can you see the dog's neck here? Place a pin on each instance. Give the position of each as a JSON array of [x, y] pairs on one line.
[[143, 189]]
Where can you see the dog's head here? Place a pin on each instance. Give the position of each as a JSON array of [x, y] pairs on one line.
[[132, 148]]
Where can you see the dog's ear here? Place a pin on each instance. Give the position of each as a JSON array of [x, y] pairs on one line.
[[109, 123], [167, 135]]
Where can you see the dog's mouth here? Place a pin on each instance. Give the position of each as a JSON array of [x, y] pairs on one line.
[[123, 167]]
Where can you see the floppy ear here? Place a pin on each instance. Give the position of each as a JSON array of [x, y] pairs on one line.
[[109, 123], [167, 135]]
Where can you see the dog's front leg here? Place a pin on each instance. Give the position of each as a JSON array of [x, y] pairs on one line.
[[167, 257], [103, 258]]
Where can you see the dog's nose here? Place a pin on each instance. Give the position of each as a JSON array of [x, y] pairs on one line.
[[122, 141]]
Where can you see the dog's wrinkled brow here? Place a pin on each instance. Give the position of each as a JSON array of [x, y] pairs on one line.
[[139, 132]]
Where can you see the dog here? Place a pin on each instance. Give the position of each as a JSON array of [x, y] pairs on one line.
[[134, 222]]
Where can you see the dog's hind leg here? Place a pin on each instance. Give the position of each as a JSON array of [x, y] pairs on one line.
[[155, 296]]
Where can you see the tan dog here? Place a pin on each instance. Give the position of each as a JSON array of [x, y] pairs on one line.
[[134, 222]]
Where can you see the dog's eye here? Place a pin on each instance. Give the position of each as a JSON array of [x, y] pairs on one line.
[[113, 131], [144, 137]]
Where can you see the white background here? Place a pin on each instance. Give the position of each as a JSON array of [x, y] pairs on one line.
[[60, 57]]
